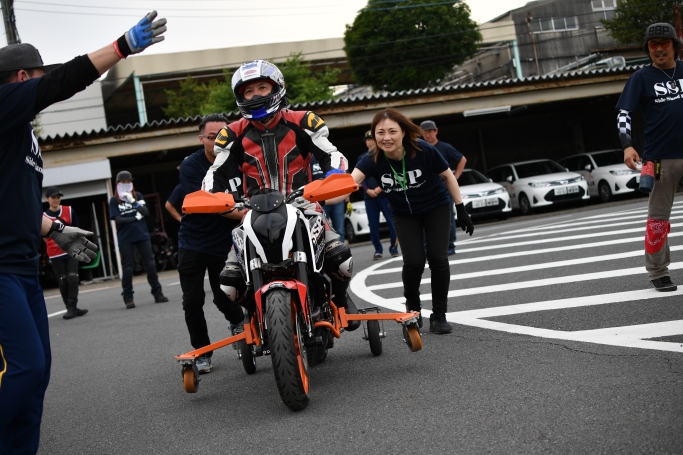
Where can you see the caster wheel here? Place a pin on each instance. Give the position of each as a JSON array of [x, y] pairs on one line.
[[374, 338], [190, 380], [247, 357], [413, 339]]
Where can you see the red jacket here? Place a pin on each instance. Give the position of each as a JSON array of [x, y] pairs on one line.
[[53, 251], [276, 157]]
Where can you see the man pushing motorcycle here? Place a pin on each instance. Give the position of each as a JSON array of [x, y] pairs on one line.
[[272, 146]]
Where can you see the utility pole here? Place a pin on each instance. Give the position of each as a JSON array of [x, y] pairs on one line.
[[677, 26], [533, 42], [10, 24]]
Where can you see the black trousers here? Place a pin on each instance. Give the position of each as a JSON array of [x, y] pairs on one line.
[[192, 266], [66, 269], [413, 231]]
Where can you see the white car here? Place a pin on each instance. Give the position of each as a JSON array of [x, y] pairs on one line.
[[539, 183], [605, 172], [357, 224], [482, 197]]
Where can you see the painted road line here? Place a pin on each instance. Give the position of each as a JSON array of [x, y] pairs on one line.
[[364, 292], [559, 239], [56, 314], [527, 268], [575, 237], [580, 246], [629, 220], [561, 304]]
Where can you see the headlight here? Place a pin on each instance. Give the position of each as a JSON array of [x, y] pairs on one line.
[[539, 185], [624, 172], [359, 211], [499, 190]]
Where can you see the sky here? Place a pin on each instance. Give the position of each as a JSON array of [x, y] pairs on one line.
[[62, 29]]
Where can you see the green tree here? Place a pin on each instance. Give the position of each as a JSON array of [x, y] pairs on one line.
[[409, 44], [302, 84], [631, 18]]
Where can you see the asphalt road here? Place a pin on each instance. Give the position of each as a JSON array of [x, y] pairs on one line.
[[559, 346]]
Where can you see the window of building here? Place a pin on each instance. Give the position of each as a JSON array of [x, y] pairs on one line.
[[555, 24], [603, 9]]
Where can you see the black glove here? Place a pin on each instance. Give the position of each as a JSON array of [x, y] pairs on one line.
[[464, 219], [72, 240]]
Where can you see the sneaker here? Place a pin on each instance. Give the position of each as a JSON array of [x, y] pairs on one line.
[[161, 298], [394, 252], [130, 304], [664, 284], [451, 251], [438, 324], [376, 256], [203, 364]]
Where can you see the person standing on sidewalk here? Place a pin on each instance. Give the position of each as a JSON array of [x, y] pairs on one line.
[[26, 88], [456, 161], [65, 267], [375, 202], [204, 242], [656, 90], [417, 181], [128, 209]]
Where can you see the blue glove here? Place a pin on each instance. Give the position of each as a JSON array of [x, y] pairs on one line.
[[334, 171], [143, 35]]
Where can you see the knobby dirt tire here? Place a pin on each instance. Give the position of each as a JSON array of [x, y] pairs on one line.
[[287, 350]]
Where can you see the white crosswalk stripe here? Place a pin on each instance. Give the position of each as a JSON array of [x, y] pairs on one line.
[[380, 283]]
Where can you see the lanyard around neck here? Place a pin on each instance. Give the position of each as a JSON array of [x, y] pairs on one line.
[[403, 183]]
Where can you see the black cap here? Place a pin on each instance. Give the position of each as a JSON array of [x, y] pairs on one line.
[[427, 125], [368, 134], [20, 57], [660, 30], [124, 175], [53, 191]]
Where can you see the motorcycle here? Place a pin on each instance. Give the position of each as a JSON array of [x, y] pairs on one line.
[[165, 256], [280, 250]]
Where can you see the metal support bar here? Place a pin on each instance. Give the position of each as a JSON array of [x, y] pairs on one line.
[[140, 99]]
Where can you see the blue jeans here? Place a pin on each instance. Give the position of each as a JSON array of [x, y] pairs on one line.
[[335, 213], [25, 362], [128, 264], [373, 207]]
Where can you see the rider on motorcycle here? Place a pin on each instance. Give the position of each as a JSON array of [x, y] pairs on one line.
[[272, 147]]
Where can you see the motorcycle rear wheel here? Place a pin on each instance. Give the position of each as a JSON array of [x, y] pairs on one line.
[[287, 349]]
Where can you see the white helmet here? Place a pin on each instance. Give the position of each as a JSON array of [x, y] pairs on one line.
[[259, 107]]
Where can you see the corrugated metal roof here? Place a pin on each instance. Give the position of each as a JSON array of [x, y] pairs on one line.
[[195, 120]]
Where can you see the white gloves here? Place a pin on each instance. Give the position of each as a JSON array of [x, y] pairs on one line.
[[127, 197], [139, 216], [72, 240]]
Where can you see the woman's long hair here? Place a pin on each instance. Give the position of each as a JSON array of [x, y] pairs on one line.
[[412, 131]]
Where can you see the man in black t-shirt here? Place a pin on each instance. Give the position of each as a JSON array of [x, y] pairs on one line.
[[657, 90], [204, 242], [26, 88], [456, 161]]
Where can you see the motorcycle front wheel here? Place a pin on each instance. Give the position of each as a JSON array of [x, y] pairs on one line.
[[287, 349]]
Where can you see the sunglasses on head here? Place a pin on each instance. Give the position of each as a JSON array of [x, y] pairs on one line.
[[664, 44]]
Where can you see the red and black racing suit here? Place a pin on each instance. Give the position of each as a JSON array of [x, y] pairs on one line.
[[278, 157]]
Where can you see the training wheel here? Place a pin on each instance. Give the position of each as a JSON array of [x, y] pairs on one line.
[[190, 380], [413, 339], [374, 338]]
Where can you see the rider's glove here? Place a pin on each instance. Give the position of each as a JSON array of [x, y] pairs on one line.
[[72, 240], [349, 208], [334, 171], [141, 36], [464, 219], [127, 197]]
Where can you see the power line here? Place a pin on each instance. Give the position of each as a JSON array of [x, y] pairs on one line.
[[173, 9]]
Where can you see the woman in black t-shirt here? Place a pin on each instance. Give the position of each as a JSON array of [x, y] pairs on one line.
[[417, 182]]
